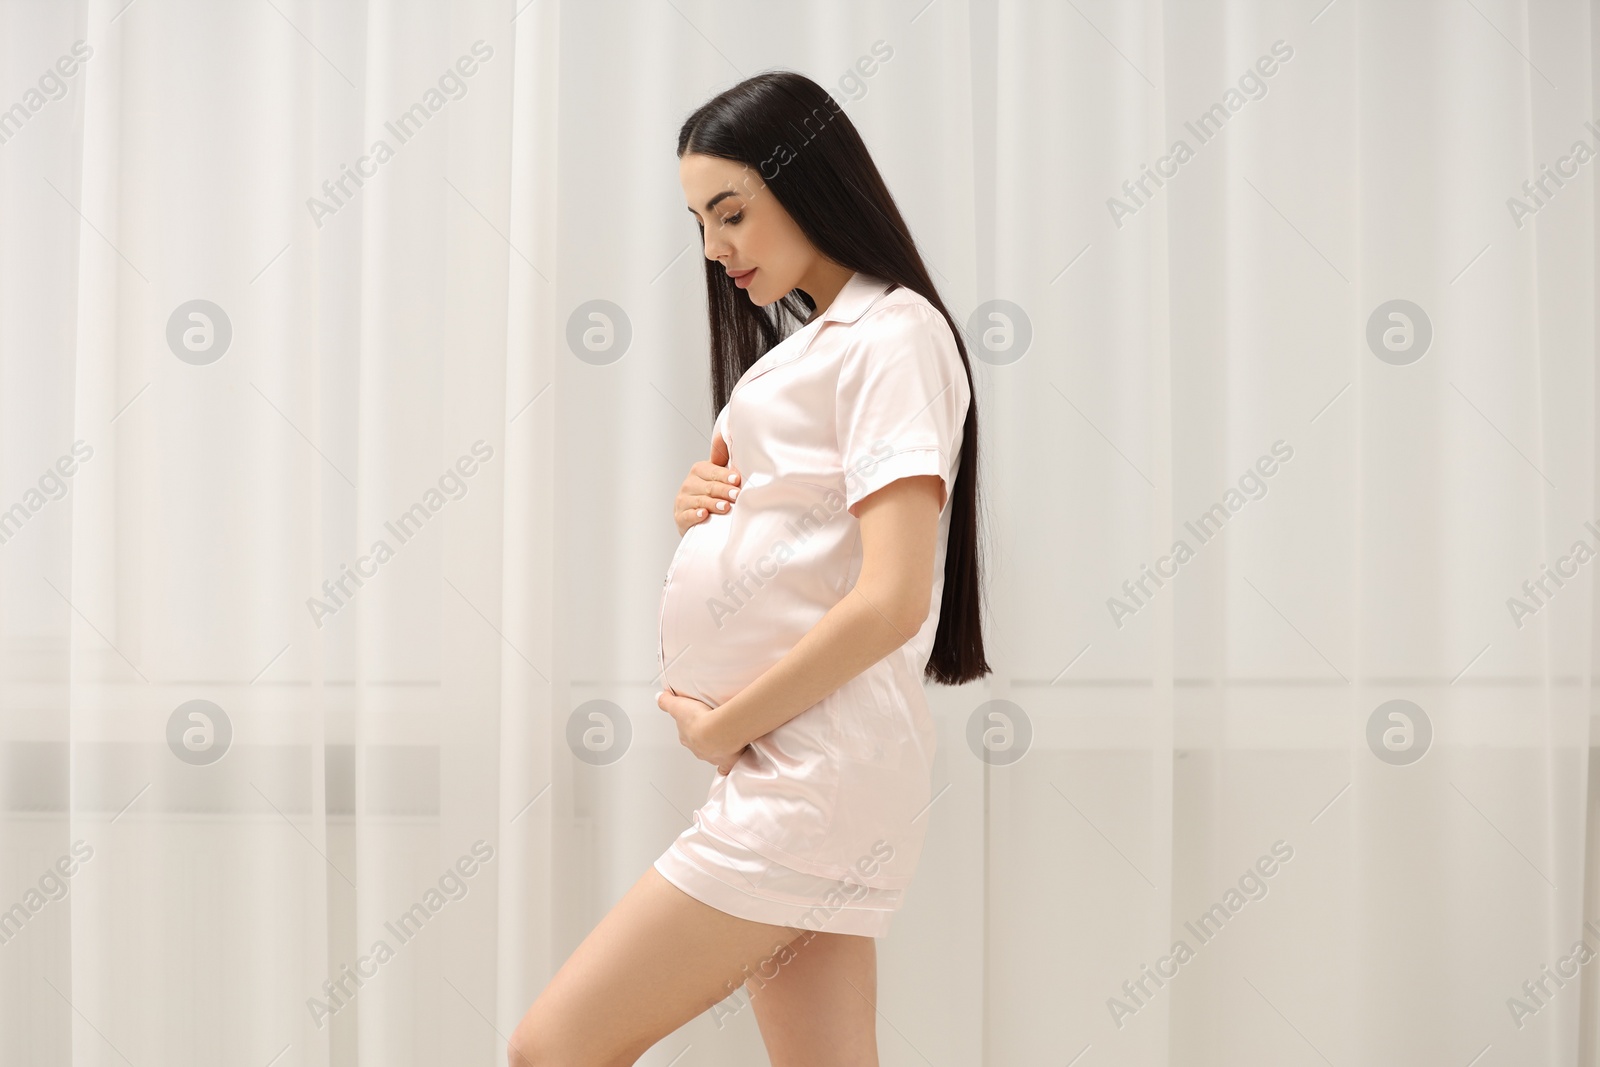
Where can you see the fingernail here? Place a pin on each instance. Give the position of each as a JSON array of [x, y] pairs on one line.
[[733, 494], [722, 505]]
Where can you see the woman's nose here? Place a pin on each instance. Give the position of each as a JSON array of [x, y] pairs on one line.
[[714, 246]]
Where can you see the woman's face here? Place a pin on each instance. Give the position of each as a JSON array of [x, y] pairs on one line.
[[744, 227]]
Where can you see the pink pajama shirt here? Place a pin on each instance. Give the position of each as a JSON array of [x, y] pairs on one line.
[[820, 823]]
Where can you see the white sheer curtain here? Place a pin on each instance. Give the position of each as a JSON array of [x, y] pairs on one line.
[[1337, 744]]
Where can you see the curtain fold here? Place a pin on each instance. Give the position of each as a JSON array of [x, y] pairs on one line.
[[351, 357]]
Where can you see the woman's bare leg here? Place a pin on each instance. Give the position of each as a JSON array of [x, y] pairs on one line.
[[658, 959], [822, 1005]]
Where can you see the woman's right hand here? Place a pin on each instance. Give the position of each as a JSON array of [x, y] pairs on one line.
[[712, 485]]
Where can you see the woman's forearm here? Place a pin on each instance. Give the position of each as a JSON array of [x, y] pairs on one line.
[[857, 632]]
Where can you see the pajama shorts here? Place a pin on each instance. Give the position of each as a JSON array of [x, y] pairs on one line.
[[716, 870]]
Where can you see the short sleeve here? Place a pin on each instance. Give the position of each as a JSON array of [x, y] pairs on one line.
[[902, 400]]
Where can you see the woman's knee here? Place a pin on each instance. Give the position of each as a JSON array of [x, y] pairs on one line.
[[539, 1041], [523, 1050]]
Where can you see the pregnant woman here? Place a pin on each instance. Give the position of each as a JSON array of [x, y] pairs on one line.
[[828, 561]]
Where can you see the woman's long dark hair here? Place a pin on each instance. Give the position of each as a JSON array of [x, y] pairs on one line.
[[788, 129]]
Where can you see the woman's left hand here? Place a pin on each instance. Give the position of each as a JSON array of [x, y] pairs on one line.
[[694, 722]]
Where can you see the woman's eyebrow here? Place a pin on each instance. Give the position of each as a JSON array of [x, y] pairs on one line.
[[714, 201]]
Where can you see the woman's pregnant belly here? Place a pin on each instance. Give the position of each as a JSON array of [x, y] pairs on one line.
[[743, 587]]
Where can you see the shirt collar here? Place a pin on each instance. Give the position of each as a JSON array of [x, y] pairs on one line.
[[858, 294]]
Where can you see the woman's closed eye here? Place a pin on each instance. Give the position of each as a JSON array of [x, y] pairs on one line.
[[730, 220]]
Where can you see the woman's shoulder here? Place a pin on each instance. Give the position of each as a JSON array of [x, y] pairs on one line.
[[906, 319], [901, 303]]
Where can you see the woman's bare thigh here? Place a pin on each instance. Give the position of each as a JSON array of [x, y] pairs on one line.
[[659, 958], [821, 1007]]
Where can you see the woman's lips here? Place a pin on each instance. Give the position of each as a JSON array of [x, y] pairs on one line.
[[743, 280]]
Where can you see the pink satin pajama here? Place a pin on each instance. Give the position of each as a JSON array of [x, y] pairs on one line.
[[820, 823]]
